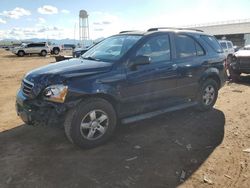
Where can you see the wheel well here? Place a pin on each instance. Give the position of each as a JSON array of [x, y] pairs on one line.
[[106, 97], [56, 48], [215, 78]]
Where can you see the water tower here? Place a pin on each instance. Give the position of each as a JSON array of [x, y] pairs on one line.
[[83, 27]]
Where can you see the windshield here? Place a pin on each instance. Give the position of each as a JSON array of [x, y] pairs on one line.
[[111, 49], [23, 45]]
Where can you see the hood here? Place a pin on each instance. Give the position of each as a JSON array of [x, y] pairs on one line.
[[59, 72], [71, 68], [242, 53], [16, 48]]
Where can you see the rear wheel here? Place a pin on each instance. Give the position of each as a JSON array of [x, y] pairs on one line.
[[207, 95], [56, 51], [90, 124]]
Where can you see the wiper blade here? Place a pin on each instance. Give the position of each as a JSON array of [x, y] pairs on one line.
[[91, 58]]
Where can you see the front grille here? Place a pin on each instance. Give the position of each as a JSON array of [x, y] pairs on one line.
[[27, 87]]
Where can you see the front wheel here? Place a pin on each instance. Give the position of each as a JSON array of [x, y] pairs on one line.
[[20, 53], [43, 53], [91, 123], [207, 95]]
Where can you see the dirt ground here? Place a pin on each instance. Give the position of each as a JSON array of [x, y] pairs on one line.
[[179, 149]]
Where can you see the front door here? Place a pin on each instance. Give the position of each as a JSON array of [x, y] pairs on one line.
[[152, 86]]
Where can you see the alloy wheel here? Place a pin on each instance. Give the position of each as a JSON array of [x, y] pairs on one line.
[[94, 125]]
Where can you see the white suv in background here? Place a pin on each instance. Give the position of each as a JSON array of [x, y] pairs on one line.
[[40, 48], [228, 48]]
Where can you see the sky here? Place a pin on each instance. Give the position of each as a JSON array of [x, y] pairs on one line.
[[59, 19]]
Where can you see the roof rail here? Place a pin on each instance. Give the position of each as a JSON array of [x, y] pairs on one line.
[[127, 31], [159, 28]]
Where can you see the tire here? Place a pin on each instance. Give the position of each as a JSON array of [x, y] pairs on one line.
[[91, 123], [234, 76], [207, 95], [56, 51], [229, 59], [43, 53], [20, 53]]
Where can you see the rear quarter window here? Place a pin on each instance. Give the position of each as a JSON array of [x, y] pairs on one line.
[[213, 43]]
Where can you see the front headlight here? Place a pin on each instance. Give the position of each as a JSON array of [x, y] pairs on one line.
[[56, 93]]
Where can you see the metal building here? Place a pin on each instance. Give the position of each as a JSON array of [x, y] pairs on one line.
[[238, 31]]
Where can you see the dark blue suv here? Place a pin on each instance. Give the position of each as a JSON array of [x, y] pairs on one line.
[[125, 78]]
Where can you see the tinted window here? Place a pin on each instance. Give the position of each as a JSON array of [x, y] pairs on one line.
[[223, 45], [187, 47], [212, 42], [39, 45], [158, 48], [229, 44], [30, 45], [199, 50]]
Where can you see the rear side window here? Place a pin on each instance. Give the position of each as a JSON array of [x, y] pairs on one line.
[[223, 45], [39, 45], [30, 45], [213, 43], [187, 47]]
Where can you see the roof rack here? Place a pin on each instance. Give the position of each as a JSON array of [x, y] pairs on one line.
[[159, 28], [127, 31]]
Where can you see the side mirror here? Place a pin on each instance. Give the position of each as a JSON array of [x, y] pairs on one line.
[[140, 60]]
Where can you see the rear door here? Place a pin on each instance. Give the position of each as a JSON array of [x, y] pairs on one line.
[[151, 86], [190, 61], [39, 47]]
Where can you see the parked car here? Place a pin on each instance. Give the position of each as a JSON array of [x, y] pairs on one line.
[[151, 73], [237, 48], [68, 46], [228, 49], [40, 48], [240, 63], [77, 52], [55, 49]]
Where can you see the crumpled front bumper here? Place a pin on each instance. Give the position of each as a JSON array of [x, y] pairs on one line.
[[35, 111]]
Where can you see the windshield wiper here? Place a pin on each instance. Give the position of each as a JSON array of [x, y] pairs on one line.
[[91, 58]]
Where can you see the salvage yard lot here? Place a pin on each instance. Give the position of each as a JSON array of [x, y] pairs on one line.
[[184, 148]]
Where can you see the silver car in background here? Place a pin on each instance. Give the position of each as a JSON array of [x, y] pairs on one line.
[[40, 48]]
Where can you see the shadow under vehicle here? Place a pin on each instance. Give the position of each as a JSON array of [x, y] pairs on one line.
[[166, 146]]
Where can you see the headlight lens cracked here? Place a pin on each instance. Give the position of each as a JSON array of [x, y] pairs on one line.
[[56, 93]]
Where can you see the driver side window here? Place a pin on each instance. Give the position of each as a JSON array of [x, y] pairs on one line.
[[157, 48]]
